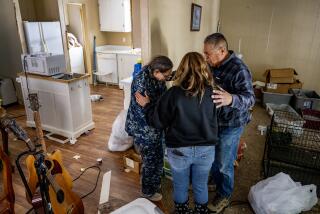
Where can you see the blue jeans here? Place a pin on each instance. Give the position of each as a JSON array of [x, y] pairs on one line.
[[226, 153], [195, 161]]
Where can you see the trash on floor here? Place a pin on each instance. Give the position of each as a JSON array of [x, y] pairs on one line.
[[280, 194], [242, 146], [77, 157], [262, 129], [119, 139], [132, 161], [96, 97]]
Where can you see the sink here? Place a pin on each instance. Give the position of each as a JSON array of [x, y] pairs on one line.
[[118, 49]]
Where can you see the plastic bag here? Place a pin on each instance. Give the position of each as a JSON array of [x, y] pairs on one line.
[[281, 195], [119, 139]]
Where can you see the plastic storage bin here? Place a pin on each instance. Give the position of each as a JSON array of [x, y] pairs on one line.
[[275, 98], [312, 118], [270, 107], [305, 99]]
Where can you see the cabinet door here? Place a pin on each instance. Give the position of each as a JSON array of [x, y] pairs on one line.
[[107, 67], [115, 15], [126, 65], [127, 16]]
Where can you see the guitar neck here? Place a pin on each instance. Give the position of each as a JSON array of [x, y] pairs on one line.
[[39, 131]]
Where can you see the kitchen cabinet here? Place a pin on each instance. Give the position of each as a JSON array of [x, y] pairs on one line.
[[65, 105], [115, 63], [115, 15], [107, 67], [126, 65]]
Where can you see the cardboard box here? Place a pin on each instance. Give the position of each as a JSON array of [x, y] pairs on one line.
[[132, 161], [282, 88], [283, 75]]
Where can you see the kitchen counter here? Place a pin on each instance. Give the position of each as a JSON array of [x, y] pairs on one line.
[[65, 104], [117, 49], [66, 78]]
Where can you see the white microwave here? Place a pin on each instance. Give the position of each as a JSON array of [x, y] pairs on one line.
[[44, 64]]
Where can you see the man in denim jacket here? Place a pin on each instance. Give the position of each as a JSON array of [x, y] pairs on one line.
[[235, 96]]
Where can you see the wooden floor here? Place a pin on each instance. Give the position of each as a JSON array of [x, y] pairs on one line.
[[124, 186]]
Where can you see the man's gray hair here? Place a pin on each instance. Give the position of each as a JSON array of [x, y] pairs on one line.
[[217, 40]]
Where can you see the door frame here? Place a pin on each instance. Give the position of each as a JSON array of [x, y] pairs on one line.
[[145, 31], [86, 42]]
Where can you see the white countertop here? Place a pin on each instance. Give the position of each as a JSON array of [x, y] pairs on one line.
[[117, 49], [126, 81]]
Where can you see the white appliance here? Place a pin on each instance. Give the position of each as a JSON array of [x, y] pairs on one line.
[[126, 85], [76, 60], [44, 64], [43, 37], [45, 48], [7, 91]]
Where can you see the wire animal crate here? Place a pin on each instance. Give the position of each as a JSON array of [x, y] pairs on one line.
[[280, 150], [288, 123], [298, 174]]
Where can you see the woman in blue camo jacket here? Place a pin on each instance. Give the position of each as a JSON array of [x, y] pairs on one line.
[[150, 82]]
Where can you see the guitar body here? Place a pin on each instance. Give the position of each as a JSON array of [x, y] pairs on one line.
[[33, 177], [72, 204], [63, 200]]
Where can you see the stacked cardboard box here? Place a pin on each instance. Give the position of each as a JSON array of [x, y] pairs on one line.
[[132, 161], [281, 80]]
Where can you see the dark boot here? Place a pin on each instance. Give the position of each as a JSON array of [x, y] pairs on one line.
[[201, 208], [182, 208]]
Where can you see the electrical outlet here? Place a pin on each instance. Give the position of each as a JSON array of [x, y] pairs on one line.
[[124, 39]]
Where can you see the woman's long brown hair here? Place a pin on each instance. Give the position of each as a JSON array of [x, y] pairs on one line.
[[193, 75]]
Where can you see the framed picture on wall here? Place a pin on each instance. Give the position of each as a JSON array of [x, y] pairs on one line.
[[195, 17]]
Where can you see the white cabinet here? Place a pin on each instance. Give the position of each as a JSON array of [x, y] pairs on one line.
[[107, 68], [126, 65], [115, 15], [115, 63], [65, 105]]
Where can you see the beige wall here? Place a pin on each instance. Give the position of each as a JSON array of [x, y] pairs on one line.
[[47, 10], [103, 38], [39, 10], [10, 61], [27, 10], [170, 27], [276, 34]]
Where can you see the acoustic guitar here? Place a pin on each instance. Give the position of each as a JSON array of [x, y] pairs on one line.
[[63, 200]]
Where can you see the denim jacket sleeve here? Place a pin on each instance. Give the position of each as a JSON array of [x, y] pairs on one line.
[[244, 99]]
